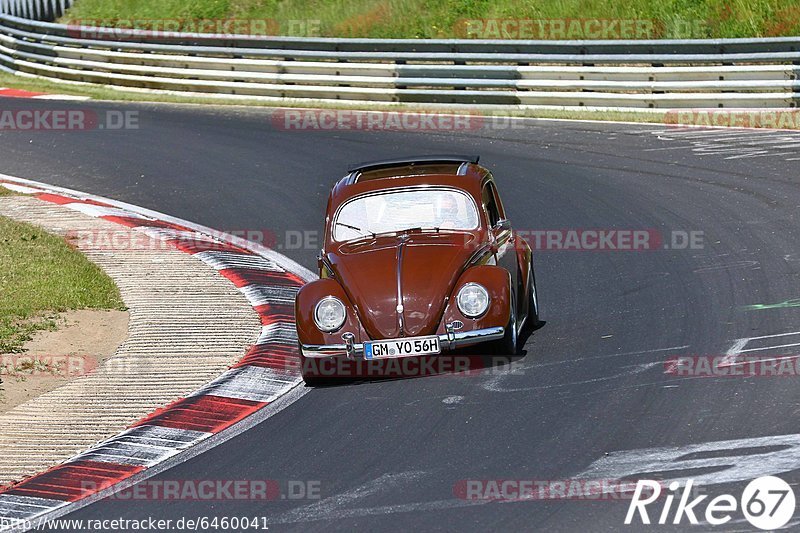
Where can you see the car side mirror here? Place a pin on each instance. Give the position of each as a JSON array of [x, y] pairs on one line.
[[502, 225]]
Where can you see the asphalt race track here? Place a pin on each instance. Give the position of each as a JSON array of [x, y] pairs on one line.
[[390, 455]]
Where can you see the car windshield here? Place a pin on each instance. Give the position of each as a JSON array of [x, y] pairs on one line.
[[400, 210]]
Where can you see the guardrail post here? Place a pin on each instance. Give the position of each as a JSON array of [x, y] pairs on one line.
[[42, 10]]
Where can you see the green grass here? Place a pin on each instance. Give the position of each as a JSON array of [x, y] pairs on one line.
[[6, 192], [441, 19], [97, 92], [41, 275]]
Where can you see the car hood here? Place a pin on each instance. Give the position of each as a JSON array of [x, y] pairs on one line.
[[429, 266]]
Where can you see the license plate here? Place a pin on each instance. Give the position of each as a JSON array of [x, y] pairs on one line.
[[402, 347]]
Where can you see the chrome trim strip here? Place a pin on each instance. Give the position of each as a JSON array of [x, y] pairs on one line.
[[326, 350], [479, 253], [503, 242], [400, 309], [445, 341]]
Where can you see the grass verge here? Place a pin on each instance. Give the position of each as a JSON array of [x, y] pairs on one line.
[[41, 275], [552, 19]]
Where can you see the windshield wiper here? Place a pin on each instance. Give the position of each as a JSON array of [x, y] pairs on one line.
[[363, 232], [411, 230], [420, 229]]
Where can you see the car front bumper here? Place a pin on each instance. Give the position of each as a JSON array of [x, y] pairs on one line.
[[448, 341]]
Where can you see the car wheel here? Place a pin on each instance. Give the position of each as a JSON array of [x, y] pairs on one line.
[[313, 380], [533, 299]]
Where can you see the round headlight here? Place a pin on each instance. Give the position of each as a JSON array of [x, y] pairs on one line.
[[329, 314], [473, 300]]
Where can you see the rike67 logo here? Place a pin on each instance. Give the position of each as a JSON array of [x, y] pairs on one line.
[[767, 503]]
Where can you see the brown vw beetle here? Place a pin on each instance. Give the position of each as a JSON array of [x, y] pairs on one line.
[[418, 258]]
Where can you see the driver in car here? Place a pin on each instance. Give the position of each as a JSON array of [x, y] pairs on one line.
[[447, 215]]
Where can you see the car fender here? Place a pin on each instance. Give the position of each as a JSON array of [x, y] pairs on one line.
[[524, 253], [308, 297], [525, 261], [497, 282]]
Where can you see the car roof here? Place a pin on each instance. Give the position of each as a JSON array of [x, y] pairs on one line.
[[458, 171], [361, 168]]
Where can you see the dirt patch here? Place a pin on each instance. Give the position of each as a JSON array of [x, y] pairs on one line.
[[83, 341]]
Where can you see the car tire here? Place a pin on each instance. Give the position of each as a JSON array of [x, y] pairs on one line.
[[315, 381], [532, 321]]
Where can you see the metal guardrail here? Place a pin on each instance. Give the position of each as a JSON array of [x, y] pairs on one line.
[[35, 9], [630, 74]]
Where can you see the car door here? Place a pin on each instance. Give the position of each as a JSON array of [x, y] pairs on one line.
[[500, 234]]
